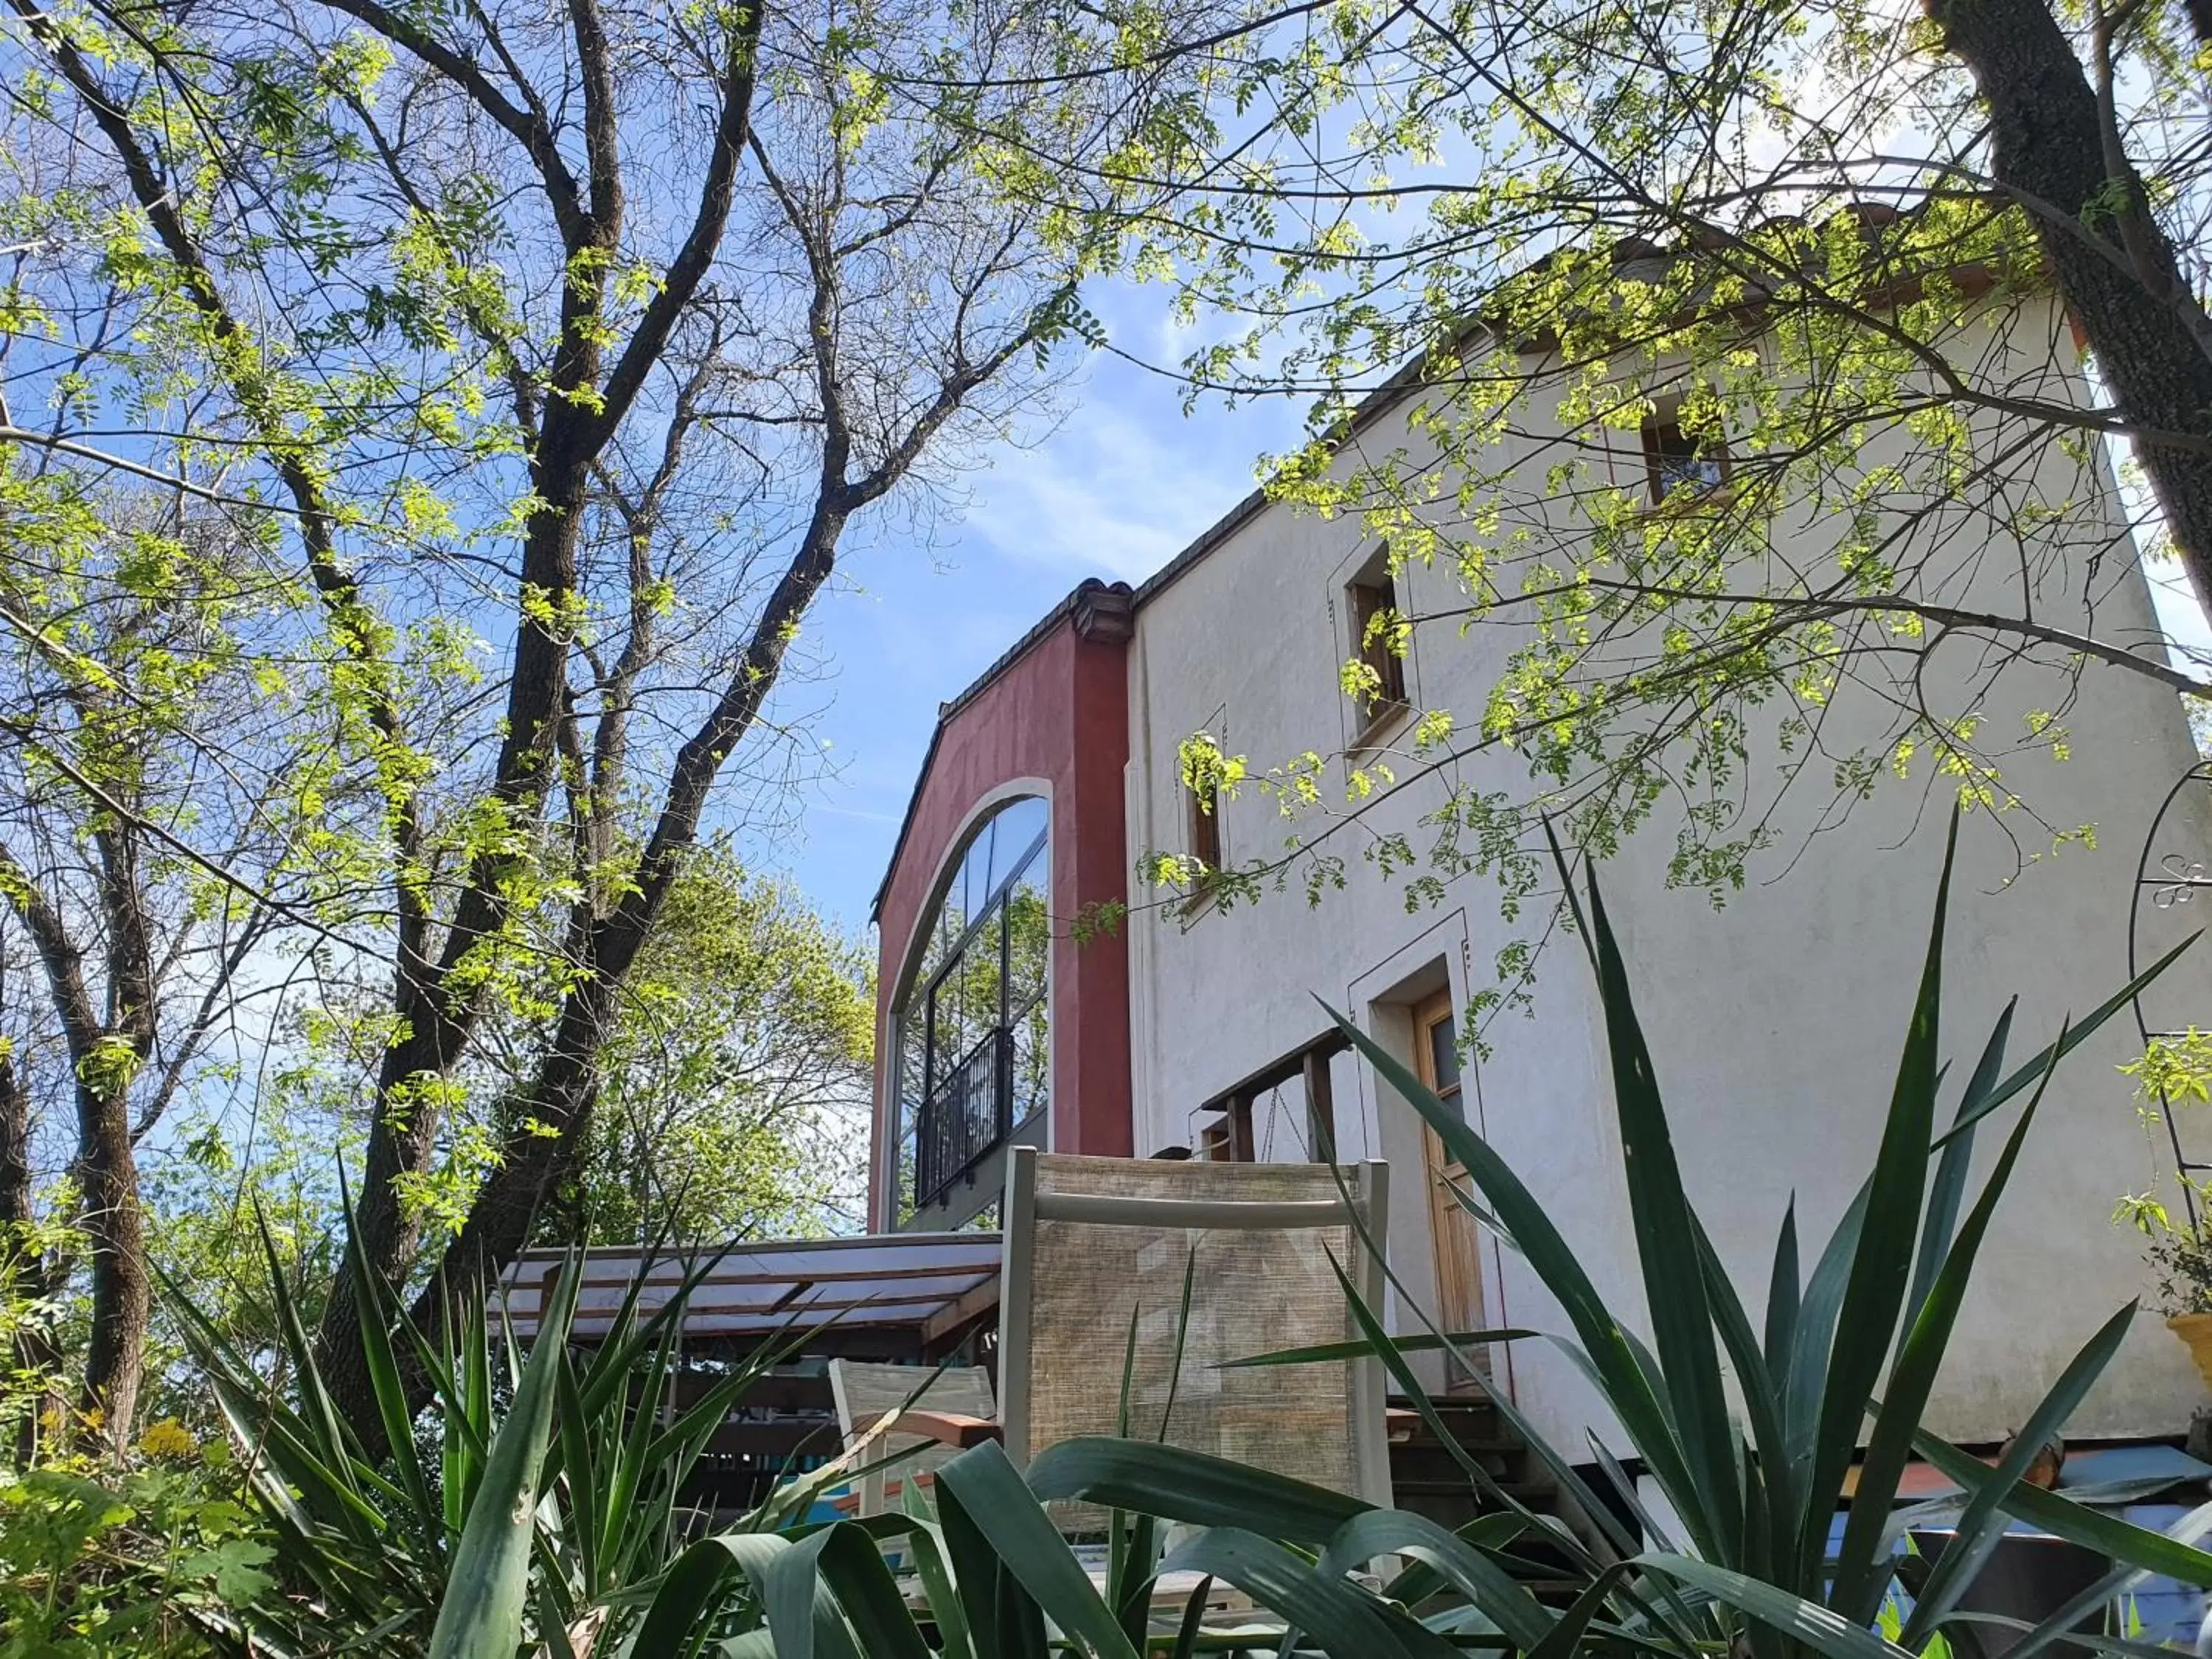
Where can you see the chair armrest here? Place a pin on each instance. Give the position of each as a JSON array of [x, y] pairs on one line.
[[947, 1428], [848, 1502], [1400, 1426]]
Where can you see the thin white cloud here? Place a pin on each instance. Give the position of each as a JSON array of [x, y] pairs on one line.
[[1127, 482]]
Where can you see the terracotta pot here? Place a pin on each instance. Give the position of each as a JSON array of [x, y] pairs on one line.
[[2196, 1330]]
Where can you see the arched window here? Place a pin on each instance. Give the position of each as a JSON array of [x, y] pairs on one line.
[[973, 1062]]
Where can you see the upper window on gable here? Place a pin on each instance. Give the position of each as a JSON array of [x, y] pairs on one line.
[[1372, 607], [1202, 805], [1676, 460]]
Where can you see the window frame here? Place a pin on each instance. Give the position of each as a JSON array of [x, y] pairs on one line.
[[956, 957], [1203, 830], [1371, 591], [1664, 486], [916, 1018], [1365, 584]]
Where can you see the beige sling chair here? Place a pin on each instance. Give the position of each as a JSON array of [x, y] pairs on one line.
[[1092, 1242]]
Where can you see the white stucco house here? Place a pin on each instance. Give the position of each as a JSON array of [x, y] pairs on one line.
[[1775, 1020]]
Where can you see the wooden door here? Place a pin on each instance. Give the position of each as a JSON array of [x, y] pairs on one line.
[[1459, 1258]]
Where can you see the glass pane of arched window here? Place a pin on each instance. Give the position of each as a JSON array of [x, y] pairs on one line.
[[1029, 952], [1029, 1062], [1018, 829], [1029, 937], [913, 1072], [979, 995], [911, 1080], [949, 1026], [978, 868], [953, 922]]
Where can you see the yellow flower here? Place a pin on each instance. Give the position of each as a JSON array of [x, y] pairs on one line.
[[167, 1438]]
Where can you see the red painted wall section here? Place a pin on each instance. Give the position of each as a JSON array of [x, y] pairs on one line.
[[1059, 712]]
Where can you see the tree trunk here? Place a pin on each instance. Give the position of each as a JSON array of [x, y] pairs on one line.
[[122, 1287], [24, 1278], [402, 1140], [16, 1268], [104, 1060], [436, 1017], [2049, 142], [561, 1096], [607, 947]]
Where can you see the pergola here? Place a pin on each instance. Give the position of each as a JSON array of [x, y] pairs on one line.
[[909, 1293], [906, 1297]]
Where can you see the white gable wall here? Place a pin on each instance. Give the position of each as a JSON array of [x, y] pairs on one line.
[[1775, 1024]]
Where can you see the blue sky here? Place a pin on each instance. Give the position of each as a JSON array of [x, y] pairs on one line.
[[1122, 484]]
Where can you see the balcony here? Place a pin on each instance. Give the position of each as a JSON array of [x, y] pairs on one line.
[[965, 1120]]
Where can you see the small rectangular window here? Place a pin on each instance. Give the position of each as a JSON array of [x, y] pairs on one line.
[[1205, 804], [1206, 771], [1443, 1055], [1440, 1037], [1674, 459], [1370, 605]]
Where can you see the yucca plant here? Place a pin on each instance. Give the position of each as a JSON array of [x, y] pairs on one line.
[[995, 1580], [543, 1489], [1845, 1359]]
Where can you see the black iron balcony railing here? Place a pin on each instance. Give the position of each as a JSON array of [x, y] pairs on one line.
[[970, 1112]]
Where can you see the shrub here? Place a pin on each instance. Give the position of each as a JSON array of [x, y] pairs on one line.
[[158, 1555]]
